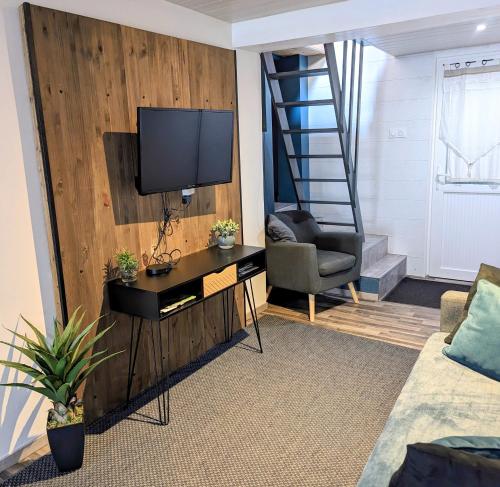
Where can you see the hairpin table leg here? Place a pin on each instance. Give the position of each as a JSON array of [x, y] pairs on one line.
[[162, 403], [253, 311], [228, 313], [133, 357], [166, 409]]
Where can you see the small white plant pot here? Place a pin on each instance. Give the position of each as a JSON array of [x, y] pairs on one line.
[[226, 242]]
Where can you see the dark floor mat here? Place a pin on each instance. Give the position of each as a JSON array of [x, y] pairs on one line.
[[422, 293]]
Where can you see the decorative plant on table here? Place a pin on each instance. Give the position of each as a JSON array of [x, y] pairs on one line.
[[128, 265], [225, 231], [59, 367]]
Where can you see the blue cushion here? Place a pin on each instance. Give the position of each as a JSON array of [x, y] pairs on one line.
[[477, 342]]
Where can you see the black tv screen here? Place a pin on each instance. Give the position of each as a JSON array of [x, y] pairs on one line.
[[180, 148]]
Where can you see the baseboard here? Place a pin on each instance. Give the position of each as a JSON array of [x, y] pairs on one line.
[[260, 309], [441, 279], [24, 452]]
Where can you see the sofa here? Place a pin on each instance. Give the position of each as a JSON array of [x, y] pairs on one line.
[[440, 398]]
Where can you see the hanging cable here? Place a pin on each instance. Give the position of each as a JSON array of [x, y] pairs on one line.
[[165, 229]]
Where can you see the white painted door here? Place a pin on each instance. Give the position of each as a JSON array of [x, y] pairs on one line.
[[465, 217]]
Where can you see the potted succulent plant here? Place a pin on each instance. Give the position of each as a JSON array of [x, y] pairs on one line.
[[225, 231], [128, 265], [59, 367]]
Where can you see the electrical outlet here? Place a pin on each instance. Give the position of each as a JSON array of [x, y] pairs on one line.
[[397, 133]]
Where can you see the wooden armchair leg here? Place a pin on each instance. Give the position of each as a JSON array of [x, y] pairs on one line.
[[353, 292], [312, 307]]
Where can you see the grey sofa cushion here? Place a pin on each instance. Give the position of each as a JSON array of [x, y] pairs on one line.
[[279, 231], [330, 262], [302, 224]]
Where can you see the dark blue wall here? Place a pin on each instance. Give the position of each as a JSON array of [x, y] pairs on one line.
[[267, 146]]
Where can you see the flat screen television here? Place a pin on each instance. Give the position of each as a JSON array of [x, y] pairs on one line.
[[183, 148]]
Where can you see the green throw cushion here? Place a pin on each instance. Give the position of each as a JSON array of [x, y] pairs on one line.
[[477, 342], [487, 272]]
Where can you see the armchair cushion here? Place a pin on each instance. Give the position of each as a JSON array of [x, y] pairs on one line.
[[302, 224], [278, 230], [349, 243], [331, 262]]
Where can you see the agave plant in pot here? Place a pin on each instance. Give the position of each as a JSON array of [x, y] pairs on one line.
[[59, 367], [225, 231]]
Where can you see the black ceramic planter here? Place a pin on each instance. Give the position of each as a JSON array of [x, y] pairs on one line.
[[67, 444]]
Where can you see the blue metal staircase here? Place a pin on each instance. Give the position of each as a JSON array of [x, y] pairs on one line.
[[342, 129]]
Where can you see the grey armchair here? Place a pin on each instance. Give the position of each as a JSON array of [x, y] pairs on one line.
[[318, 261]]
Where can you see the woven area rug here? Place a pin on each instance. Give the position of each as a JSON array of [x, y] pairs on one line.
[[307, 412]]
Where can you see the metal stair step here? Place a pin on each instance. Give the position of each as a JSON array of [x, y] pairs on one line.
[[311, 131], [326, 202], [299, 74], [315, 156], [320, 180], [336, 224], [304, 103]]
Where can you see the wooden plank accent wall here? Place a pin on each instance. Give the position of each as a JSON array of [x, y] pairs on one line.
[[89, 77]]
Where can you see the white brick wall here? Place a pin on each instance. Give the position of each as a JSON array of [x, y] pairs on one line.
[[393, 173], [397, 93]]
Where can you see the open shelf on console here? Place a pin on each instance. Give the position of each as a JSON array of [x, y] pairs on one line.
[[170, 297], [251, 266]]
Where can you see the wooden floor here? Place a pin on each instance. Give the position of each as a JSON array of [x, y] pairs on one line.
[[402, 324], [24, 462]]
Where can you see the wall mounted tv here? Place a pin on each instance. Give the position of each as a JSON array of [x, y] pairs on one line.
[[183, 148]]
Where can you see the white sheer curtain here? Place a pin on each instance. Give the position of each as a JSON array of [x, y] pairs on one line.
[[470, 124]]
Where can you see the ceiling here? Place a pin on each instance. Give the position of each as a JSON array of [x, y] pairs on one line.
[[314, 50], [438, 38], [239, 10]]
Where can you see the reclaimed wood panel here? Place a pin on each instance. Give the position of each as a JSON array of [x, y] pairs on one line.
[[89, 77]]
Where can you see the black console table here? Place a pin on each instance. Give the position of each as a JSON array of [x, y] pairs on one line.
[[195, 278]]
